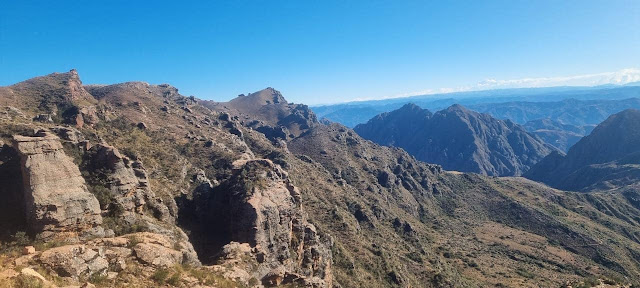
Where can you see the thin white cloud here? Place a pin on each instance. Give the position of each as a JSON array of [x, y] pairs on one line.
[[621, 77]]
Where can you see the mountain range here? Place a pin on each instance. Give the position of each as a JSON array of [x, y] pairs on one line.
[[458, 139], [508, 103], [559, 116], [134, 184]]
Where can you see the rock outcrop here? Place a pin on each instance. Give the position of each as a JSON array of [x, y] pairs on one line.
[[260, 206], [56, 197], [110, 255], [127, 182], [75, 260]]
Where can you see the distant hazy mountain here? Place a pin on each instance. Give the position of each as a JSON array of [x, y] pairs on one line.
[[458, 139], [568, 111], [557, 134], [608, 158], [354, 113]]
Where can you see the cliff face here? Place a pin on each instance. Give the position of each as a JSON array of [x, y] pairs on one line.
[[260, 206], [56, 197], [458, 139]]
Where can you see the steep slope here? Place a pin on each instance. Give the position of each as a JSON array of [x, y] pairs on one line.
[[458, 139], [58, 95], [398, 128], [607, 158]]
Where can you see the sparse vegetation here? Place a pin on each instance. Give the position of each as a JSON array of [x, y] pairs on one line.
[[160, 276], [98, 279], [24, 281]]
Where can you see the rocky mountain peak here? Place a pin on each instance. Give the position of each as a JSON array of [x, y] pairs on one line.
[[411, 108], [457, 107], [268, 112], [263, 97]]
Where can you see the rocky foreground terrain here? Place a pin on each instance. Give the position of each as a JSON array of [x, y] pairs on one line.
[[135, 185]]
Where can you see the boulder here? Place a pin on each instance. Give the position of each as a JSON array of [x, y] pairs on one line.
[[57, 199], [142, 126], [27, 250], [157, 255], [89, 115], [69, 134], [32, 273], [75, 260], [45, 118]]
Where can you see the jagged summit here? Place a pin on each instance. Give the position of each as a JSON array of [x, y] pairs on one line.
[[263, 97], [269, 112], [410, 107]]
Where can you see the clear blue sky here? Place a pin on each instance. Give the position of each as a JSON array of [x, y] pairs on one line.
[[315, 51]]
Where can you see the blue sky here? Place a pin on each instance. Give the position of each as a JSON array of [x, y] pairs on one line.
[[317, 51]]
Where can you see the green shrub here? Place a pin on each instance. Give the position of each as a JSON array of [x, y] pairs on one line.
[[174, 280], [98, 278], [21, 238], [133, 241], [160, 276]]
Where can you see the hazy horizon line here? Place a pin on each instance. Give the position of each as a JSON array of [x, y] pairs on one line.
[[620, 77]]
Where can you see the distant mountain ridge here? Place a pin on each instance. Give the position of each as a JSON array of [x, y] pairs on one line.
[[608, 158], [557, 134], [458, 139], [354, 113]]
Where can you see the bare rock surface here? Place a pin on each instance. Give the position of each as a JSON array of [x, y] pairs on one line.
[[102, 256], [75, 260], [267, 214], [128, 182], [57, 199]]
